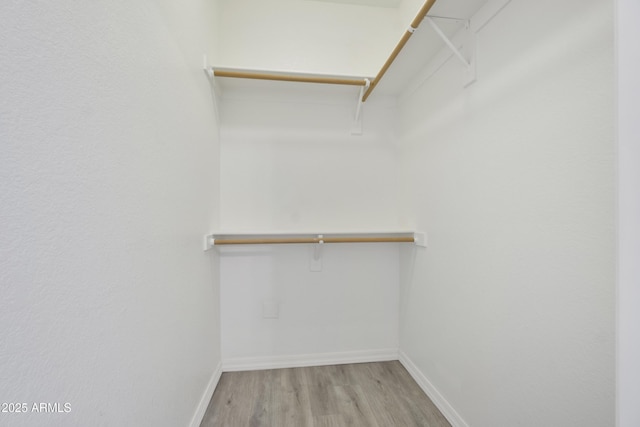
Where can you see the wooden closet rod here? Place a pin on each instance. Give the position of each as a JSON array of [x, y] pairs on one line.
[[262, 241], [290, 78], [403, 41]]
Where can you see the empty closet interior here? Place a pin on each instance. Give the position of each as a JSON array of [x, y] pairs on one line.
[[198, 186], [458, 154]]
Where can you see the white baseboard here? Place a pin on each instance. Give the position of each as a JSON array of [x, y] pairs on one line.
[[445, 407], [206, 397], [301, 360]]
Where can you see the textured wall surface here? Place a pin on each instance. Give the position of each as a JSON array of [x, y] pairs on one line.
[[108, 180], [349, 309], [289, 162], [510, 311]]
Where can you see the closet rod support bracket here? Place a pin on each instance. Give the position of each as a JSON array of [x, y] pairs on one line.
[[208, 242], [315, 259], [420, 239], [448, 18], [466, 54], [208, 70], [356, 129]]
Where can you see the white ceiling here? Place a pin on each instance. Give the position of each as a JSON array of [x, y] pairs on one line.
[[456, 8], [377, 3]]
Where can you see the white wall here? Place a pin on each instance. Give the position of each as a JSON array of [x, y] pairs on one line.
[[290, 163], [510, 311], [307, 36], [108, 180], [347, 312], [628, 103]]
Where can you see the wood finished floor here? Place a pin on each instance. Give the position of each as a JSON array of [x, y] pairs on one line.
[[365, 394]]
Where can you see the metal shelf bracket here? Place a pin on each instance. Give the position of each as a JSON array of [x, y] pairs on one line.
[[466, 54], [356, 129]]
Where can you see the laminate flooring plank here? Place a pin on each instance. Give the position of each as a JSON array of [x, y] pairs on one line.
[[262, 383], [359, 374], [422, 411], [232, 400], [327, 375], [385, 406], [290, 400], [247, 400], [324, 400], [410, 396], [387, 373], [339, 374], [291, 379], [369, 376], [329, 421], [354, 406], [399, 377]]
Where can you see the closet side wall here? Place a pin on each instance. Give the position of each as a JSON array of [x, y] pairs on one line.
[[628, 103], [108, 181], [509, 313]]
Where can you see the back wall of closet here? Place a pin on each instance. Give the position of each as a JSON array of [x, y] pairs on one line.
[[292, 165]]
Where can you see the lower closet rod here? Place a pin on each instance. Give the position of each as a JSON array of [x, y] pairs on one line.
[[314, 240]]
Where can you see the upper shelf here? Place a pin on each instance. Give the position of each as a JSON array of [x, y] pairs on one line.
[[415, 49]]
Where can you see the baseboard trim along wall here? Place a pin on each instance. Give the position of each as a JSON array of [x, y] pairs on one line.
[[301, 360], [445, 407], [206, 397]]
